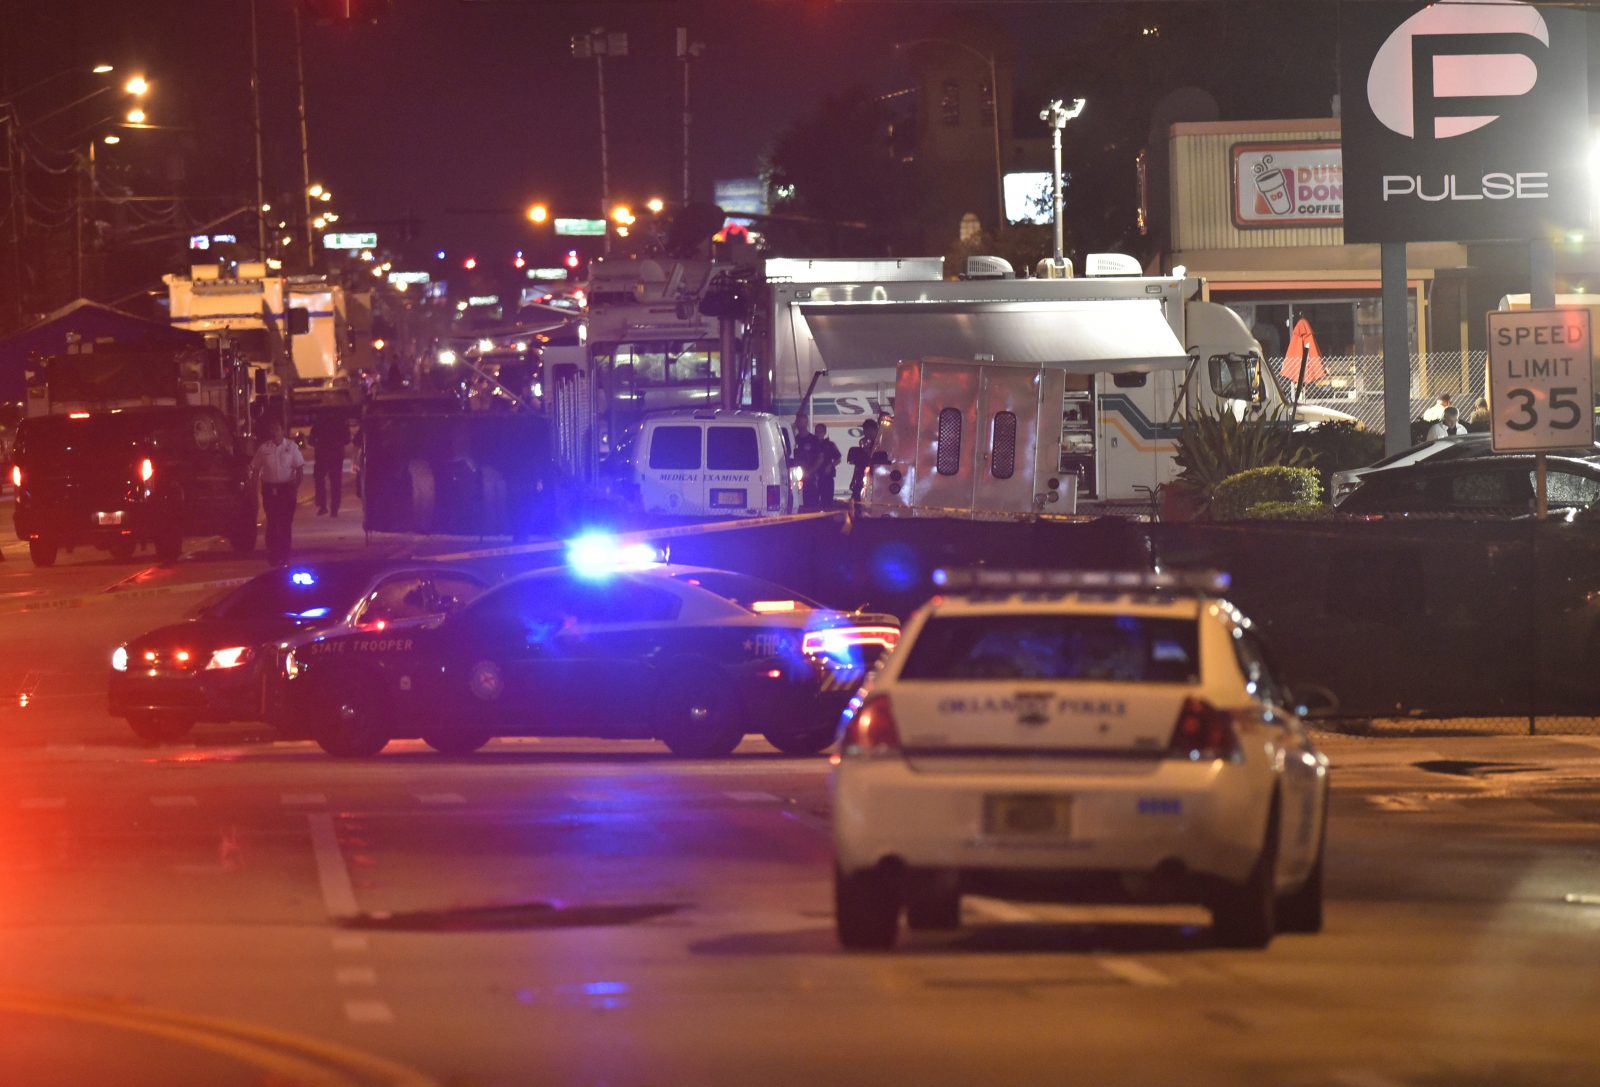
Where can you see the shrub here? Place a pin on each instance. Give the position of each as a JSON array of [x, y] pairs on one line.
[[1214, 446], [1334, 447], [1236, 496], [1290, 511]]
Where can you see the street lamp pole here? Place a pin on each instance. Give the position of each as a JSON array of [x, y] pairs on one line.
[[994, 96], [599, 44], [255, 95], [1056, 116], [305, 141]]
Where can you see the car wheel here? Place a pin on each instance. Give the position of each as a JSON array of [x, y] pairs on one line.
[[121, 548], [168, 548], [1301, 910], [935, 910], [456, 741], [866, 908], [352, 725], [43, 552], [156, 727], [1243, 914], [804, 743], [697, 716]]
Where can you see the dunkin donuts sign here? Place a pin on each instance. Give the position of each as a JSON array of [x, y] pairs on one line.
[[1287, 184]]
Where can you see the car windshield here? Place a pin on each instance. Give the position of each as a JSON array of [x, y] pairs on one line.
[[753, 594], [1117, 648], [295, 593]]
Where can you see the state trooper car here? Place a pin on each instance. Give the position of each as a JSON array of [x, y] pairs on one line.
[[608, 645], [1067, 736]]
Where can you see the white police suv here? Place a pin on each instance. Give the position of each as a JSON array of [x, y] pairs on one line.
[[1081, 737]]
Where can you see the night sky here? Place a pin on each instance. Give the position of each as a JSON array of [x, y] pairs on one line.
[[460, 112]]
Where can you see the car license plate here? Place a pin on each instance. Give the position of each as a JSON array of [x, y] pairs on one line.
[[1027, 814], [729, 498]]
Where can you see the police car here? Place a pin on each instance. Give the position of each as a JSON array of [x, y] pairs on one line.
[[612, 644], [1067, 736]]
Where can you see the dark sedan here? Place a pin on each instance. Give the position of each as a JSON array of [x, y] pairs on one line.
[[211, 667], [1493, 486], [690, 656]]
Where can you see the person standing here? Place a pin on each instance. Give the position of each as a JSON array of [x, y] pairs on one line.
[[279, 467], [1446, 427], [822, 469], [861, 459], [1436, 410], [330, 433]]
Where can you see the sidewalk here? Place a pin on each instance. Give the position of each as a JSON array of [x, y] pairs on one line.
[[1451, 754]]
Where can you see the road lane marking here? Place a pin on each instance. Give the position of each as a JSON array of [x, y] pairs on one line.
[[367, 1011], [809, 819], [338, 895], [42, 803], [441, 798], [284, 1057], [303, 800], [751, 797], [353, 943], [996, 910], [174, 802], [355, 975], [1132, 971]]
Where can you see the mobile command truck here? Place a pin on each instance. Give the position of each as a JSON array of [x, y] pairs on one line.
[[1121, 361]]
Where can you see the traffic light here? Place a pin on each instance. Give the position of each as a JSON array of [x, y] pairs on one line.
[[572, 259]]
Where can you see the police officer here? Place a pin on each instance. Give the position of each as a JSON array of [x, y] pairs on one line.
[[279, 466], [330, 433], [861, 458]]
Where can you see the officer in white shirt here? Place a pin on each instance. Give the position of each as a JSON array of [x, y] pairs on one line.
[[279, 465]]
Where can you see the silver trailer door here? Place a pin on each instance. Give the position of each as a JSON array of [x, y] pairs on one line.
[[1006, 439]]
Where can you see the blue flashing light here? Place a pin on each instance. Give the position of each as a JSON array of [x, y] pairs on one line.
[[941, 578], [312, 613], [605, 988], [303, 577], [599, 555], [439, 255]]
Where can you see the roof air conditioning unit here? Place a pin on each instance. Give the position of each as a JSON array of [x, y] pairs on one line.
[[985, 267], [1054, 268], [198, 272], [252, 269], [1112, 264]]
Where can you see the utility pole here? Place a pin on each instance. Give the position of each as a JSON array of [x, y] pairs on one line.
[[599, 44], [305, 142], [15, 165], [687, 51], [255, 94]]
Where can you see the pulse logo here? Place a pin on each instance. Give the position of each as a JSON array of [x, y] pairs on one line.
[[1449, 69], [1452, 69]]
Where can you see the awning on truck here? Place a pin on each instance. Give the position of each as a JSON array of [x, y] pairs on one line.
[[1107, 336]]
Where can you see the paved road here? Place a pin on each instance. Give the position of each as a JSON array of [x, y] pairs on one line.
[[234, 910]]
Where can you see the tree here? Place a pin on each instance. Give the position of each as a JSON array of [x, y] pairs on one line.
[[834, 166]]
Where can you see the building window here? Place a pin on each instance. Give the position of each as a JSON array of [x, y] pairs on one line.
[[950, 103]]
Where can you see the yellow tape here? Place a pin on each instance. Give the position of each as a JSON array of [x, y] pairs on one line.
[[642, 535], [118, 596]]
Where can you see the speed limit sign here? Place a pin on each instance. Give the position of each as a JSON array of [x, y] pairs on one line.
[[1541, 380]]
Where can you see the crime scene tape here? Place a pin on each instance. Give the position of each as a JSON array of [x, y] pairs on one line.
[[638, 536], [118, 596]]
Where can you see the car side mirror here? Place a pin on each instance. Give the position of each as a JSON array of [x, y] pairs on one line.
[[1311, 700]]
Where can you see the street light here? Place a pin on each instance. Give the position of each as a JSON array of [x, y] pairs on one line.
[[1056, 115], [599, 44], [655, 204], [538, 213], [994, 95]]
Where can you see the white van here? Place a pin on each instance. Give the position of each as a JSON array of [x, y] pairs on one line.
[[706, 462]]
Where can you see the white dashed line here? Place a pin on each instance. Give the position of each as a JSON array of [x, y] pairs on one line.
[[356, 975], [441, 798], [1133, 972], [367, 1011], [995, 910], [174, 802], [351, 943], [751, 798], [337, 893], [42, 803], [303, 800]]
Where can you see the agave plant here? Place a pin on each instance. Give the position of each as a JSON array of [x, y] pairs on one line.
[[1217, 444]]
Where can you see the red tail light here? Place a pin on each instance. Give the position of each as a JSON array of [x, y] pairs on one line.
[[146, 470], [872, 730], [1203, 732], [16, 476], [774, 496]]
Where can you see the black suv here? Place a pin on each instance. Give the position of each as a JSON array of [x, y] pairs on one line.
[[117, 479]]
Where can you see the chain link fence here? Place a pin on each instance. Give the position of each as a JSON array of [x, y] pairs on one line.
[[1353, 384]]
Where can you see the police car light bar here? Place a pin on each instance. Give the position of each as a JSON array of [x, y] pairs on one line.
[[1212, 582], [599, 555]]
